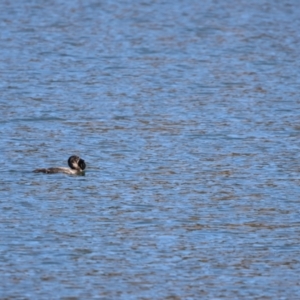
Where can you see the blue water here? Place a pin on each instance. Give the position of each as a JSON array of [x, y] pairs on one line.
[[187, 115]]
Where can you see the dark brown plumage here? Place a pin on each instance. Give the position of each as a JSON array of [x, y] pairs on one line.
[[76, 164]]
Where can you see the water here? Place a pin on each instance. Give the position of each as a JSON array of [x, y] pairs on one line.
[[187, 114]]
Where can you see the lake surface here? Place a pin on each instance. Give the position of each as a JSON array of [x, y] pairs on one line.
[[187, 115]]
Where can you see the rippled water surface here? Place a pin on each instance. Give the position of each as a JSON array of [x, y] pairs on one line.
[[187, 114]]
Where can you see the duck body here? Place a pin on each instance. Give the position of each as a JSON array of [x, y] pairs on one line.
[[76, 164]]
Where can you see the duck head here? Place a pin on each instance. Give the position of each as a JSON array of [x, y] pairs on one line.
[[76, 163]]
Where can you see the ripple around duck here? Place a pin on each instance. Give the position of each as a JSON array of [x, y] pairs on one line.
[[188, 119]]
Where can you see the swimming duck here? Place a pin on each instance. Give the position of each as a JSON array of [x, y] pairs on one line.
[[76, 164]]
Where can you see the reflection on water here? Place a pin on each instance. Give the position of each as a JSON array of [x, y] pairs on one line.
[[187, 115]]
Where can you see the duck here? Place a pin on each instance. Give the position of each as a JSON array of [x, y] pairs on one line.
[[76, 164]]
